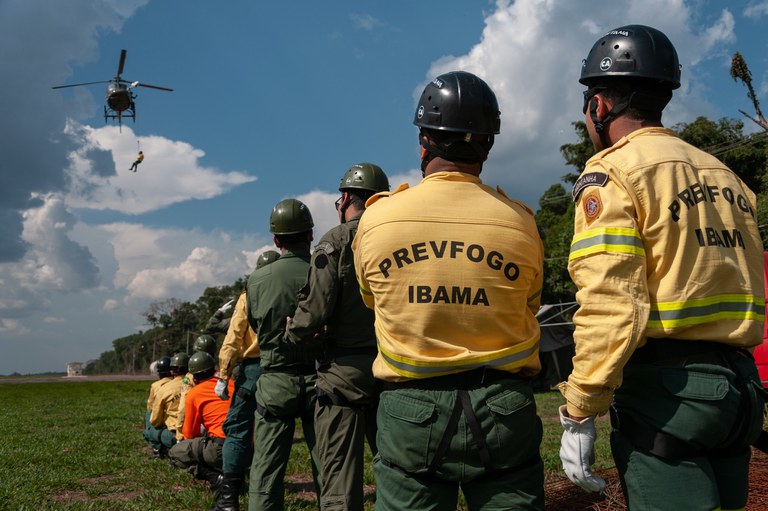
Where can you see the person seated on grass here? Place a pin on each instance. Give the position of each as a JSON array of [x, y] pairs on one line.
[[163, 368], [164, 419], [200, 451], [205, 343]]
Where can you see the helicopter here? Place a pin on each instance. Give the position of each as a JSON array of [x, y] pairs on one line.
[[120, 96]]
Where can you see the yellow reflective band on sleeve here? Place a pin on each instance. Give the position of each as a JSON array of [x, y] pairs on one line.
[[508, 359], [363, 290], [617, 240], [706, 310]]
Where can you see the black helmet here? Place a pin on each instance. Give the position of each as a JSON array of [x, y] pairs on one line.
[[163, 366], [364, 176], [632, 51], [205, 343], [290, 216], [179, 362], [461, 102], [267, 257], [200, 362]]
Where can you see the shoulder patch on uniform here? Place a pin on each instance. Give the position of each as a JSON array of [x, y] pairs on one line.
[[373, 198], [593, 206], [588, 179], [321, 261], [325, 246]]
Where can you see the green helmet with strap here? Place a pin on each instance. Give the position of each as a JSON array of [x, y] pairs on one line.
[[290, 216], [200, 362], [267, 257], [364, 176], [205, 343], [180, 361]]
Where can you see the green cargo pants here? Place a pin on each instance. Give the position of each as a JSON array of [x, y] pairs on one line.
[[418, 467], [158, 437], [345, 417], [281, 398], [238, 426], [705, 409], [190, 454]]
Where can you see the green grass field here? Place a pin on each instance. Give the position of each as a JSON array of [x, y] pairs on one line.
[[78, 446]]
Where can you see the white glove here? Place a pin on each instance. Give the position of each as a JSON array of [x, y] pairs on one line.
[[221, 389], [577, 451], [224, 308]]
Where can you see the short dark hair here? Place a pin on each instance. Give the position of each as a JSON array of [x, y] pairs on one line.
[[647, 98], [292, 239]]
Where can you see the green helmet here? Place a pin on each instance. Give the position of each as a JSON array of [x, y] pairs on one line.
[[632, 51], [205, 343], [364, 176], [180, 361], [290, 216], [268, 257], [200, 362]]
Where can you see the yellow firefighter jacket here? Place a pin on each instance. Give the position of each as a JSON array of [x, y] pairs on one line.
[[453, 271], [240, 341], [165, 411], [666, 246], [153, 389]]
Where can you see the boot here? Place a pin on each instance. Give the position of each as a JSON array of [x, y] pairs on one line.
[[160, 453], [229, 493], [213, 476]]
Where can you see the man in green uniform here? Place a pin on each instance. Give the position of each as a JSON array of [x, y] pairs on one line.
[[668, 261], [239, 361], [347, 393], [453, 270], [286, 389], [219, 322]]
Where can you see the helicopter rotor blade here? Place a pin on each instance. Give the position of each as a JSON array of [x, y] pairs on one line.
[[137, 84], [122, 62], [78, 84]]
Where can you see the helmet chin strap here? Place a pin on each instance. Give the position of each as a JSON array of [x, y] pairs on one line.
[[602, 124]]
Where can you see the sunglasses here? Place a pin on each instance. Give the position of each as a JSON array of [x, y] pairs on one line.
[[338, 202], [588, 95]]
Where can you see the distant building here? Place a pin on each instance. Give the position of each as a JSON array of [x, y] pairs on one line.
[[74, 368]]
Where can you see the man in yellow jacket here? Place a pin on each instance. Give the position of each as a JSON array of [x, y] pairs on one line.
[[668, 262], [164, 417], [453, 271]]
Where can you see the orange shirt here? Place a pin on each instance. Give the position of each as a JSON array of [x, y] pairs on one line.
[[202, 407]]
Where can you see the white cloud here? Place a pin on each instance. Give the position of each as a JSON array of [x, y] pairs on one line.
[[110, 304], [756, 10], [198, 269], [321, 205], [412, 178], [530, 53], [365, 21], [12, 325], [170, 173]]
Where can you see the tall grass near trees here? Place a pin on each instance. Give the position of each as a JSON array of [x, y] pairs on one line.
[[78, 446]]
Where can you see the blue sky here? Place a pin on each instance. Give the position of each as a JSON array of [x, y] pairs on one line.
[[272, 100]]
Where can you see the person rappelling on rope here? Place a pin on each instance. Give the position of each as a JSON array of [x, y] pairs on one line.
[[139, 159]]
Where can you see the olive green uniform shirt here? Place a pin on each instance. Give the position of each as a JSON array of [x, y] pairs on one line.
[[272, 294], [330, 303]]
